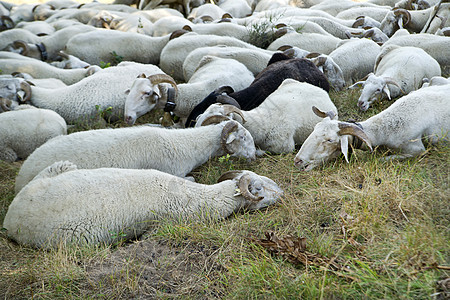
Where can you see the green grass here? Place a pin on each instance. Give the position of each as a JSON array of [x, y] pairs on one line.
[[384, 224]]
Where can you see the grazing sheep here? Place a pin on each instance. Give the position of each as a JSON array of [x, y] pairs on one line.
[[25, 129], [283, 120], [424, 113], [397, 70], [280, 67], [65, 205], [174, 151], [212, 72], [313, 42]]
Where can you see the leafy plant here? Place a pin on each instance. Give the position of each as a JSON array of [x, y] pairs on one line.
[[104, 65]]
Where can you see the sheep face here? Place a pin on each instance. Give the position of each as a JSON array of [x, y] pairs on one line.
[[238, 141], [323, 144], [142, 97], [373, 88], [333, 73], [260, 187]]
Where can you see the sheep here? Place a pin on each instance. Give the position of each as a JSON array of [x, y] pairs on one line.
[[356, 58], [64, 205], [377, 13], [169, 24], [221, 29], [282, 120], [280, 67], [12, 62], [26, 128], [212, 72], [8, 37], [397, 70], [236, 8], [97, 46], [255, 60], [423, 113], [176, 50], [435, 80], [313, 42], [434, 45], [334, 7], [174, 151], [69, 62], [86, 100], [123, 22], [39, 28], [207, 12]]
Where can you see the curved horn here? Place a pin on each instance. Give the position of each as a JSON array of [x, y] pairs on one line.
[[6, 23], [21, 44], [224, 89], [227, 129], [358, 22], [319, 61], [25, 86], [280, 25], [177, 33], [63, 54], [163, 78], [285, 47], [206, 18], [405, 13], [229, 175], [280, 32], [322, 114], [214, 120], [5, 104], [187, 28], [227, 16], [352, 129], [369, 33], [312, 55], [390, 80], [244, 183], [227, 109], [225, 99]]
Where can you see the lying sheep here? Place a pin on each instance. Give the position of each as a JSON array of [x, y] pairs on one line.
[[313, 42], [86, 100], [174, 151], [397, 70], [280, 67], [436, 80], [65, 205], [283, 120], [424, 113], [25, 129], [212, 72]]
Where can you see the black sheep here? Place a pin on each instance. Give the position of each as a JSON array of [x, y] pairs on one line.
[[279, 68]]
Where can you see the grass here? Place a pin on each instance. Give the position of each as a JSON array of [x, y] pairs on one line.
[[383, 224]]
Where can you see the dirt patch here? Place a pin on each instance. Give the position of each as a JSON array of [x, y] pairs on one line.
[[158, 269]]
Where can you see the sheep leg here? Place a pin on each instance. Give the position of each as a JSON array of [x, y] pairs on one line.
[[7, 154], [411, 149]]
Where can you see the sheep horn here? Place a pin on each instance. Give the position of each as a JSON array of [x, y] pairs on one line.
[[6, 23], [21, 44], [322, 114], [177, 33], [227, 16], [227, 109], [285, 47], [312, 55], [392, 81], [206, 18], [358, 22], [289, 52], [229, 175], [319, 61], [225, 99], [280, 32], [352, 129], [227, 129], [214, 120], [187, 28], [369, 33], [244, 183], [25, 86], [224, 89], [280, 25], [405, 14], [5, 104], [163, 78], [63, 55]]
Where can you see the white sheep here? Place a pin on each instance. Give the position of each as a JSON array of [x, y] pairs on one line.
[[424, 113], [65, 205], [26, 128], [174, 151], [436, 80], [176, 50], [169, 24], [13, 62], [98, 46], [236, 8], [397, 70], [212, 72], [254, 59], [313, 42], [86, 100], [283, 120]]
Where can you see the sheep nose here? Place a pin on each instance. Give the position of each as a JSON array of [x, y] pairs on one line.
[[297, 162], [129, 120]]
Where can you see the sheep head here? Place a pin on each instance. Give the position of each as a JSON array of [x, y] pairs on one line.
[[219, 112], [145, 94], [15, 89], [374, 87], [330, 69], [328, 139], [258, 191], [394, 20], [237, 141]]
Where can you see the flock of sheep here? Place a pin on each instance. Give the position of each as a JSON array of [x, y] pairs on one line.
[[221, 95]]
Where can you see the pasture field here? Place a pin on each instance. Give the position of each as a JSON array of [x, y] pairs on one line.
[[366, 230], [370, 229]]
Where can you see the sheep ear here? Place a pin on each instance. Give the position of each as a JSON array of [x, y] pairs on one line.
[[231, 137], [400, 22], [127, 91], [386, 91], [344, 146]]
